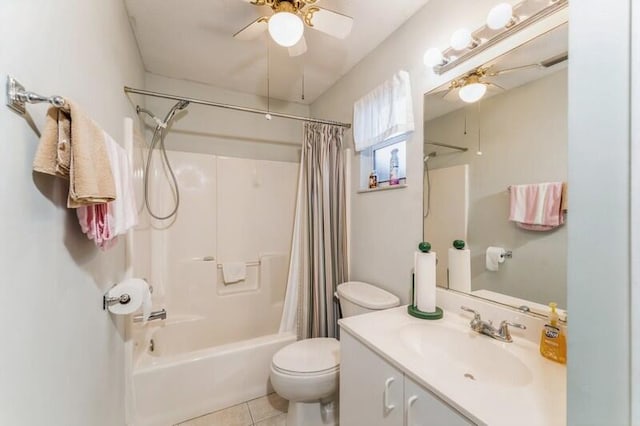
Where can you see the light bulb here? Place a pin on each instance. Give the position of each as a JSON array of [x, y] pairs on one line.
[[433, 57], [500, 16], [473, 92], [286, 28], [462, 39], [267, 116]]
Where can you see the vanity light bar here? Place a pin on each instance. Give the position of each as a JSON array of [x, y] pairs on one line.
[[485, 37]]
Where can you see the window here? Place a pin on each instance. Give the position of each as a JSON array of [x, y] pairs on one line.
[[382, 160]]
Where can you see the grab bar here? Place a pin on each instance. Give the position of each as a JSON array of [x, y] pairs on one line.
[[254, 263], [155, 315]]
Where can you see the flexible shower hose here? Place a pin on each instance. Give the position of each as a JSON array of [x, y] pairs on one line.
[[158, 138]]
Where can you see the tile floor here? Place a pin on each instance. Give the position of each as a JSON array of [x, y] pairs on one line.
[[270, 410]]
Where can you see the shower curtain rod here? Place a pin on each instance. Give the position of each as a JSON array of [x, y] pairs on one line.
[[233, 107]]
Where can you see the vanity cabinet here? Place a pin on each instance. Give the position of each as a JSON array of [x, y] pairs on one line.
[[375, 393]]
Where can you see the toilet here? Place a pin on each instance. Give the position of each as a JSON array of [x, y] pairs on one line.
[[307, 372]]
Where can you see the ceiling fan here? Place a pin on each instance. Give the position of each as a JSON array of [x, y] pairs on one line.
[[286, 23], [472, 87]]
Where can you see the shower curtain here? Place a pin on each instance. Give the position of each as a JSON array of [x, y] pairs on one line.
[[319, 247]]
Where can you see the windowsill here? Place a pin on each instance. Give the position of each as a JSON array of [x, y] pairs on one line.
[[382, 188]]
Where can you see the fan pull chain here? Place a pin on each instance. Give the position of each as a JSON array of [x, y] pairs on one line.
[[303, 82], [465, 122], [479, 151], [268, 114]]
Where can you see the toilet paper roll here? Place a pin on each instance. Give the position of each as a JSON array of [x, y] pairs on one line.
[[425, 281], [138, 291], [494, 257], [460, 269]]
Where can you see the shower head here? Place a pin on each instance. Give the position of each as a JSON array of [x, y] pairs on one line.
[[179, 106]]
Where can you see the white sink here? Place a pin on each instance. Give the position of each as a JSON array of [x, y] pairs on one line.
[[476, 357], [491, 382]]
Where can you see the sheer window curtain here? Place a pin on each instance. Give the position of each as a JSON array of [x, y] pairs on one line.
[[319, 247]]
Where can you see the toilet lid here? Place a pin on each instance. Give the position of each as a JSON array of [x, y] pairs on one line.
[[367, 296], [309, 356]]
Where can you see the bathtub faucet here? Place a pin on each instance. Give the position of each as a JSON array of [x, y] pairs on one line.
[[155, 315]]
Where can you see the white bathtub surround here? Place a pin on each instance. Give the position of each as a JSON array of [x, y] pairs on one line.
[[232, 210]]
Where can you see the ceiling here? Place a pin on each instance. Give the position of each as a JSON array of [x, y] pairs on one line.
[[193, 40]]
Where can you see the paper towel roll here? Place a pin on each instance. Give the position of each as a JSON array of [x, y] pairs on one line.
[[460, 269], [425, 281], [494, 257], [138, 291]]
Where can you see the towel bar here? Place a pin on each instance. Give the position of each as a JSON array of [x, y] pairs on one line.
[[18, 97], [254, 263]]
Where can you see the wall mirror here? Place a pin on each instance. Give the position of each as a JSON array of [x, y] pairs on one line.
[[516, 133]]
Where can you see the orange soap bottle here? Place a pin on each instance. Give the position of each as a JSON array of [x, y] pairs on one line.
[[553, 342]]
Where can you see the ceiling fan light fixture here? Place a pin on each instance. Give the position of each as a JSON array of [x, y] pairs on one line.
[[500, 16], [473, 92], [286, 28]]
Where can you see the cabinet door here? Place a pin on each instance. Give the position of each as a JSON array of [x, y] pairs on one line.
[[371, 390], [422, 408]]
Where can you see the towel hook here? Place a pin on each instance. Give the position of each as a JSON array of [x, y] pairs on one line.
[[18, 97]]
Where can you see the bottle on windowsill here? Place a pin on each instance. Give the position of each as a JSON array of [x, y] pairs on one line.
[[373, 180], [394, 168]]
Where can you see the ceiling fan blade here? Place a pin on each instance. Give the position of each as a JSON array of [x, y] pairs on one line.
[[333, 23], [253, 30], [299, 48]]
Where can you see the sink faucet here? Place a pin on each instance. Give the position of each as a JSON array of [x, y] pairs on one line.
[[486, 327]]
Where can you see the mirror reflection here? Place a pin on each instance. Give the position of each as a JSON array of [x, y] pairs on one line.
[[495, 150]]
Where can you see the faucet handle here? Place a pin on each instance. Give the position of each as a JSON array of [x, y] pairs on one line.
[[503, 331], [513, 324], [476, 313]]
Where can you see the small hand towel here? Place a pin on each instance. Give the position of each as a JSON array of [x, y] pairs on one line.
[[104, 222], [72, 146], [232, 272], [96, 221], [537, 207]]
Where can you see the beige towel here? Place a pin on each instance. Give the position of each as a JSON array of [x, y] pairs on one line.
[[72, 146], [565, 198]]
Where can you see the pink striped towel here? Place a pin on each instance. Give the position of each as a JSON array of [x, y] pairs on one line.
[[537, 207]]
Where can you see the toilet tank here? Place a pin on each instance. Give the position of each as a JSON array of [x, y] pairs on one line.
[[358, 298]]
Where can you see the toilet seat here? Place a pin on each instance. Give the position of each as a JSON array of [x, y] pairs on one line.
[[310, 357]]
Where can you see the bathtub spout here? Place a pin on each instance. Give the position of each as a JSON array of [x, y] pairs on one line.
[[155, 315]]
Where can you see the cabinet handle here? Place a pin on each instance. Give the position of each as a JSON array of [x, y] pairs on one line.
[[407, 417], [388, 407]]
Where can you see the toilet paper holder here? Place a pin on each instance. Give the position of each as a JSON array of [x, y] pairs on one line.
[[108, 300], [507, 254]]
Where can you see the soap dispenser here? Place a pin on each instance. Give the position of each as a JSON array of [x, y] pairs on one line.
[[553, 342]]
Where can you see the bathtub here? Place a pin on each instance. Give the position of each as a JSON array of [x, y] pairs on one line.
[[180, 380]]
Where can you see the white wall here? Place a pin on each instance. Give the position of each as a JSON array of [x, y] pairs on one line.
[[62, 356], [225, 132], [387, 225], [598, 264]]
